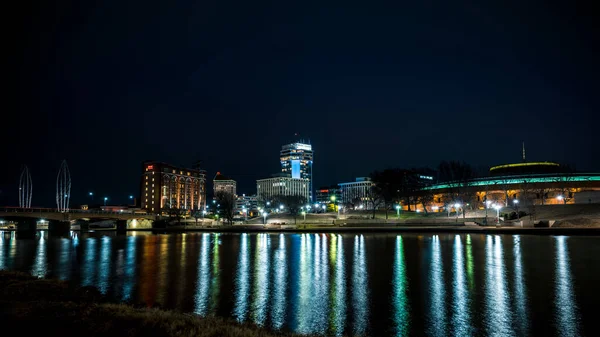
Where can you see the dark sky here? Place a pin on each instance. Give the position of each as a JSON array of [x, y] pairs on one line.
[[108, 84]]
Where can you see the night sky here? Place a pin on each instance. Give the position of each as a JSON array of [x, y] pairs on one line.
[[108, 84]]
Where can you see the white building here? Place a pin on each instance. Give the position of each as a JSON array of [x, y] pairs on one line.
[[222, 183], [356, 190], [268, 188]]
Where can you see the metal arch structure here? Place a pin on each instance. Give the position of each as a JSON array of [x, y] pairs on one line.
[[63, 187], [25, 188]]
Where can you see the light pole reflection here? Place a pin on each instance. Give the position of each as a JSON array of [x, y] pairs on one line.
[[520, 295], [242, 280], [280, 285], [401, 307], [360, 301], [89, 265], [566, 308], [129, 269], [498, 321], [104, 264], [39, 268], [338, 287], [437, 320], [201, 298], [215, 287], [461, 313], [303, 316], [262, 267], [64, 265], [320, 285]]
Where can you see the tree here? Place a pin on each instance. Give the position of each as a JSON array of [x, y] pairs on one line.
[[391, 185], [564, 183], [424, 197], [293, 203], [226, 202], [176, 214], [197, 214], [458, 175], [374, 198]]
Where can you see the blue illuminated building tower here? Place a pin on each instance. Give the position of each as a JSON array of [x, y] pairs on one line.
[[297, 161]]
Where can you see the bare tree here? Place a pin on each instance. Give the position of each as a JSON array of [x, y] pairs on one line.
[[424, 197], [458, 175], [197, 214], [374, 198], [352, 199], [226, 202]]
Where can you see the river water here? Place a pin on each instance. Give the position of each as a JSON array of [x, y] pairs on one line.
[[334, 284]]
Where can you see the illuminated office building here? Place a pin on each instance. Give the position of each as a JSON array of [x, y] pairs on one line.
[[268, 189], [166, 186], [297, 161]]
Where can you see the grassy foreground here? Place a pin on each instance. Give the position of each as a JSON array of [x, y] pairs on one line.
[[29, 306]]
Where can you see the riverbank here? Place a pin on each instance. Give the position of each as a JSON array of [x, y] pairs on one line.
[[32, 306]]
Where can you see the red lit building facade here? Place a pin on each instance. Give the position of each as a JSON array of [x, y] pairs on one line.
[[166, 186]]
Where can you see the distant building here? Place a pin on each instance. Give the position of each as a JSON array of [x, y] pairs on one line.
[[166, 186], [267, 189], [356, 191], [297, 161], [250, 202], [324, 194], [223, 183]]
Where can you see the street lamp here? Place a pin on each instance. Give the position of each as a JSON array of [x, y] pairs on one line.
[[398, 211], [92, 195], [560, 198], [245, 213], [456, 207], [497, 208], [338, 214], [105, 200], [264, 214], [304, 213], [516, 202], [281, 208]]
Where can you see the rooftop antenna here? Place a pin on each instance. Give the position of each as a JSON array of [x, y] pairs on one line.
[[523, 151]]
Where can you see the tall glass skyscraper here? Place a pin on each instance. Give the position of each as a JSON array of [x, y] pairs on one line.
[[296, 162]]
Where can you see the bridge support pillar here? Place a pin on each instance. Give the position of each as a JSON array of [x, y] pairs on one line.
[[59, 227], [121, 226], [26, 228]]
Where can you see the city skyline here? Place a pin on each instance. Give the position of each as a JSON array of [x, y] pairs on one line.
[[460, 83]]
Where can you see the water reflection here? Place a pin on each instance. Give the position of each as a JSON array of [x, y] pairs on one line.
[[520, 295], [320, 283], [461, 312], [262, 267], [566, 309], [338, 286], [105, 259], [360, 300], [437, 322], [242, 280], [279, 284], [496, 299], [39, 268], [88, 266], [64, 259], [401, 308], [201, 299], [129, 269]]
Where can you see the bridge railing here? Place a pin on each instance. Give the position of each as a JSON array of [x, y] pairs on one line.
[[78, 211]]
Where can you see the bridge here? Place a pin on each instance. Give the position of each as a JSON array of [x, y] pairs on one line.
[[29, 217]]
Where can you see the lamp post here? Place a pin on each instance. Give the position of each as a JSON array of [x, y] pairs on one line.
[[105, 200], [456, 207], [245, 213], [92, 195], [560, 198], [332, 198], [398, 211], [264, 214], [338, 213], [304, 214], [497, 207], [516, 203]]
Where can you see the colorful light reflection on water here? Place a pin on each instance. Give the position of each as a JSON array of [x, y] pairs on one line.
[[338, 284]]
